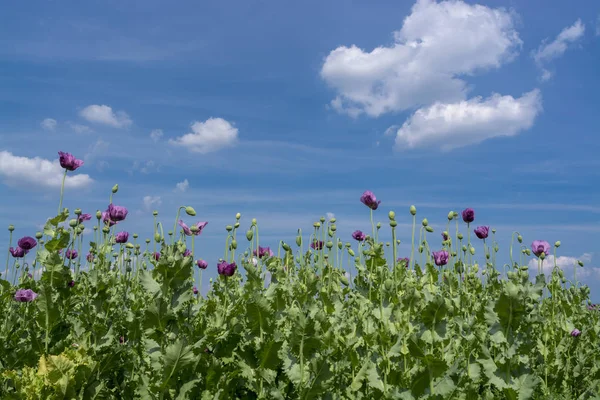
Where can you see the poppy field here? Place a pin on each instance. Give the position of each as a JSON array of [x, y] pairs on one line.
[[325, 317]]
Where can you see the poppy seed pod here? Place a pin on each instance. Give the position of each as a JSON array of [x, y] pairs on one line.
[[98, 214], [557, 243], [236, 225], [77, 211], [298, 240], [429, 229], [392, 215], [249, 235], [425, 222], [155, 213], [450, 215], [238, 216], [413, 210], [393, 224], [234, 244], [322, 219], [228, 228], [115, 188], [190, 211]]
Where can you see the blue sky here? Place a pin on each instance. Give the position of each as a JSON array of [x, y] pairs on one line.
[[288, 111]]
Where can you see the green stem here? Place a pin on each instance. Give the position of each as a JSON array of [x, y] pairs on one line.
[[62, 188]]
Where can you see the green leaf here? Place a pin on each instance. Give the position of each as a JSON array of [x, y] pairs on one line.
[[176, 357], [148, 283]]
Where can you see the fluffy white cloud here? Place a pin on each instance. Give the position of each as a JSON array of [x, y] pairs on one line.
[[567, 264], [49, 124], [549, 51], [21, 171], [156, 134], [438, 42], [211, 135], [183, 186], [78, 128], [454, 125], [103, 114], [150, 202]]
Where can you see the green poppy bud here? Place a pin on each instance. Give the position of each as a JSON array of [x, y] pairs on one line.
[[157, 237], [236, 225], [398, 241], [78, 211], [38, 235], [413, 210], [528, 252], [190, 211], [298, 240], [389, 284], [520, 239], [344, 280], [322, 219], [580, 263], [472, 250], [147, 241], [340, 245], [455, 214], [228, 228], [98, 215], [464, 248], [170, 233], [420, 249], [95, 228], [115, 188], [155, 213], [393, 224], [253, 221], [392, 215], [329, 244], [450, 215], [316, 224], [11, 228], [378, 225], [332, 220], [129, 245], [429, 229], [249, 235], [460, 236], [557, 243], [234, 244], [285, 246], [333, 228], [348, 245], [106, 229], [493, 230], [542, 256], [238, 216], [476, 268], [351, 252], [425, 222]]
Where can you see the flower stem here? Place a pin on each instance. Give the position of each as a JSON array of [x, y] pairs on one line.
[[62, 188]]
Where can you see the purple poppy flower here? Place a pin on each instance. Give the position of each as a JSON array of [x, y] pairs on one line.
[[122, 237], [223, 268], [84, 217], [358, 235], [68, 161], [187, 253], [440, 257], [188, 231], [27, 243], [71, 254], [540, 246], [593, 307], [157, 256], [468, 215], [72, 283], [116, 213], [405, 260], [445, 236], [263, 251], [90, 257], [575, 332], [369, 200], [317, 245], [25, 295], [195, 290], [17, 252], [106, 219], [482, 232], [202, 264]]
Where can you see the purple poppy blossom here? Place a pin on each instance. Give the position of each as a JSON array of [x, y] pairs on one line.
[[223, 268], [468, 215], [106, 219], [440, 257], [359, 235], [405, 260], [27, 243], [84, 217], [445, 236], [71, 254], [317, 245], [90, 257], [122, 237], [72, 283], [68, 161], [187, 253], [195, 290], [263, 251], [482, 232], [540, 246], [202, 264], [369, 200], [17, 252], [188, 231], [116, 213], [25, 295], [575, 332], [157, 256]]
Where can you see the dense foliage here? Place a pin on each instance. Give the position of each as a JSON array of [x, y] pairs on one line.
[[130, 324]]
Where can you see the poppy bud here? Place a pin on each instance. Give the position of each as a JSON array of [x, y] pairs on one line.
[[344, 280], [450, 215], [420, 249], [425, 222], [147, 241], [580, 263], [249, 235], [238, 216], [98, 215], [73, 223], [155, 213], [413, 210], [351, 252], [106, 229], [378, 225], [460, 236], [557, 243], [285, 246], [253, 221], [298, 240], [429, 229], [393, 224], [236, 225], [392, 215], [329, 244], [234, 244], [157, 237], [190, 211], [340, 245], [228, 228], [389, 284], [77, 211], [528, 252], [115, 188], [472, 250], [333, 228], [464, 248], [520, 239], [542, 256], [11, 228]]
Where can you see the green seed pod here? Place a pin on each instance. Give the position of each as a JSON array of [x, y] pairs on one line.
[[332, 220], [137, 246], [298, 240], [348, 245], [155, 213], [157, 237], [460, 236], [340, 245], [77, 211], [106, 229], [378, 225], [330, 233], [236, 225], [190, 211], [580, 263], [389, 284], [129, 245], [329, 244], [344, 280], [234, 244], [170, 233], [425, 222], [493, 230], [520, 239], [455, 214], [38, 235], [317, 224], [392, 215], [285, 246], [194, 229], [238, 216], [510, 274], [228, 228], [322, 219], [115, 188], [11, 228], [333, 228], [420, 249], [147, 241], [476, 268], [429, 229], [542, 256], [135, 235], [98, 215], [393, 224], [413, 210], [464, 248], [253, 221], [557, 243], [450, 215], [249, 235], [351, 252], [472, 250], [95, 228]]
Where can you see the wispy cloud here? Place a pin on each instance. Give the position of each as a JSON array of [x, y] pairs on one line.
[[150, 202], [103, 114], [182, 186], [80, 129], [49, 124], [156, 134], [549, 51]]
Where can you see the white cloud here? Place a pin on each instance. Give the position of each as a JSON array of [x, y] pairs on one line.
[[183, 186], [151, 202], [143, 167], [156, 134], [96, 149], [438, 42], [567, 264], [550, 51], [450, 126], [78, 128], [103, 114], [20, 171], [211, 135], [48, 124]]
